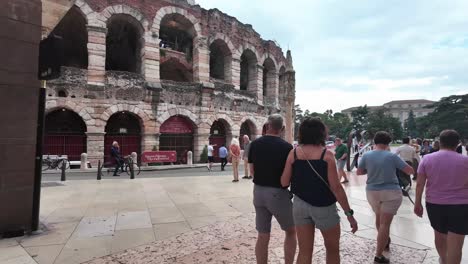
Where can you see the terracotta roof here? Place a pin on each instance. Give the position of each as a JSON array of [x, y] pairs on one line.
[[416, 101]]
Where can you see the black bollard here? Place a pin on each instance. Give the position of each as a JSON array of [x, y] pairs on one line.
[[99, 171], [130, 167], [63, 168]]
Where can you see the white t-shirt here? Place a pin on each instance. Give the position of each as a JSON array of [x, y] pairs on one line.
[[210, 151]]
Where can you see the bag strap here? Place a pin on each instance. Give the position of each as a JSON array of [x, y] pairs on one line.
[[316, 173]]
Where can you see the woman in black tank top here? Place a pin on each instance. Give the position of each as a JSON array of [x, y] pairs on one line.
[[311, 172]]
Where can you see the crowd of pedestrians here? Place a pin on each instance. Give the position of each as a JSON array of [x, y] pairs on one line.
[[301, 187]]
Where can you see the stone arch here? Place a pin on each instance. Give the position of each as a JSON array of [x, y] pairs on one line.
[[175, 111], [221, 36], [268, 56], [147, 122], [127, 10], [231, 124], [82, 111], [246, 47], [249, 70], [89, 14], [167, 10]]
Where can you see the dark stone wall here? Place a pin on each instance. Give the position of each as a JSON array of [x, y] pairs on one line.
[[20, 34]]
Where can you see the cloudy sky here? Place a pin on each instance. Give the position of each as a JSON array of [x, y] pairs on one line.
[[349, 53]]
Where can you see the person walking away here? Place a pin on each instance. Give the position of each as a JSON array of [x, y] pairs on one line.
[[311, 171], [445, 176], [267, 158], [115, 154], [223, 153], [426, 148], [435, 146], [245, 157], [341, 155], [210, 157], [408, 153], [234, 152], [383, 190]]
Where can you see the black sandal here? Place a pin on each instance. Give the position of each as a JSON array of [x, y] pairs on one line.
[[235, 180]]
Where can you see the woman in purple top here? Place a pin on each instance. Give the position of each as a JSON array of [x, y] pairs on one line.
[[445, 174]]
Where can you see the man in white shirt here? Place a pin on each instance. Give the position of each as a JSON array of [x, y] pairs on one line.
[[407, 152], [210, 156]]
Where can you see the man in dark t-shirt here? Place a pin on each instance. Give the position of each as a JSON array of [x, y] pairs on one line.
[[267, 158]]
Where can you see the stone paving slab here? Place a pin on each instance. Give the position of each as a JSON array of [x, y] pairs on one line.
[[234, 242]]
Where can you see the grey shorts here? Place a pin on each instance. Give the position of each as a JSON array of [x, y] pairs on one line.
[[269, 202], [340, 164], [323, 218]]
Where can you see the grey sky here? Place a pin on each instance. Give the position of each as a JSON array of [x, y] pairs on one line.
[[349, 53]]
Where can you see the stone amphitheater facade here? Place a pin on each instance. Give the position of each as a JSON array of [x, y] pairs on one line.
[[161, 78]]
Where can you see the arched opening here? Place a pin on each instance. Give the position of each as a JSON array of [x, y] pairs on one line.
[[124, 128], [177, 135], [248, 80], [176, 34], [269, 79], [65, 134], [174, 70], [123, 44], [220, 135], [220, 61], [61, 93], [72, 29], [248, 128], [282, 81]]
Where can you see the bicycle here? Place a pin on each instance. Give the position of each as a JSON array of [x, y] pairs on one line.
[[54, 164], [127, 161]]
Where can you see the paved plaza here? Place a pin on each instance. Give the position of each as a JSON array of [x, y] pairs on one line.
[[180, 218]]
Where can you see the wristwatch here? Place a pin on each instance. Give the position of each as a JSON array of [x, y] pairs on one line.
[[349, 213]]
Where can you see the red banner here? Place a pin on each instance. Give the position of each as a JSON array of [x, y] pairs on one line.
[[159, 156], [176, 125]]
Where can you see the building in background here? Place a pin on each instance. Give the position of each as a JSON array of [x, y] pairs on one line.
[[161, 75], [400, 109]]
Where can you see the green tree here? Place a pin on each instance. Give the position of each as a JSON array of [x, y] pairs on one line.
[[360, 117], [449, 113], [410, 126], [204, 155], [381, 120]]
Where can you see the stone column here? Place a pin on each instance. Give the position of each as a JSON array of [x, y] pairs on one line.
[[150, 142], [273, 85], [97, 55], [235, 72], [259, 84], [151, 58], [201, 60], [199, 142], [95, 147]]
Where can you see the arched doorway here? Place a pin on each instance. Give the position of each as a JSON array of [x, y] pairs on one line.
[[65, 134], [123, 44], [247, 128], [177, 35], [218, 137], [220, 61], [269, 80], [177, 135], [124, 128], [248, 78], [72, 29]]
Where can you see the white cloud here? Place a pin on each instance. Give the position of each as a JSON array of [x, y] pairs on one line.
[[349, 53]]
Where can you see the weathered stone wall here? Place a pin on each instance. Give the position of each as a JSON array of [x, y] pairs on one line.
[[95, 94]]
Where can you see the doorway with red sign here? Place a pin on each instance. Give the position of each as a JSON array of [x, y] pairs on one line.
[[218, 135], [124, 128], [177, 135], [64, 134]]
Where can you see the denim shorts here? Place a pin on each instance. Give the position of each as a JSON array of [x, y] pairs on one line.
[[323, 218], [340, 164]]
